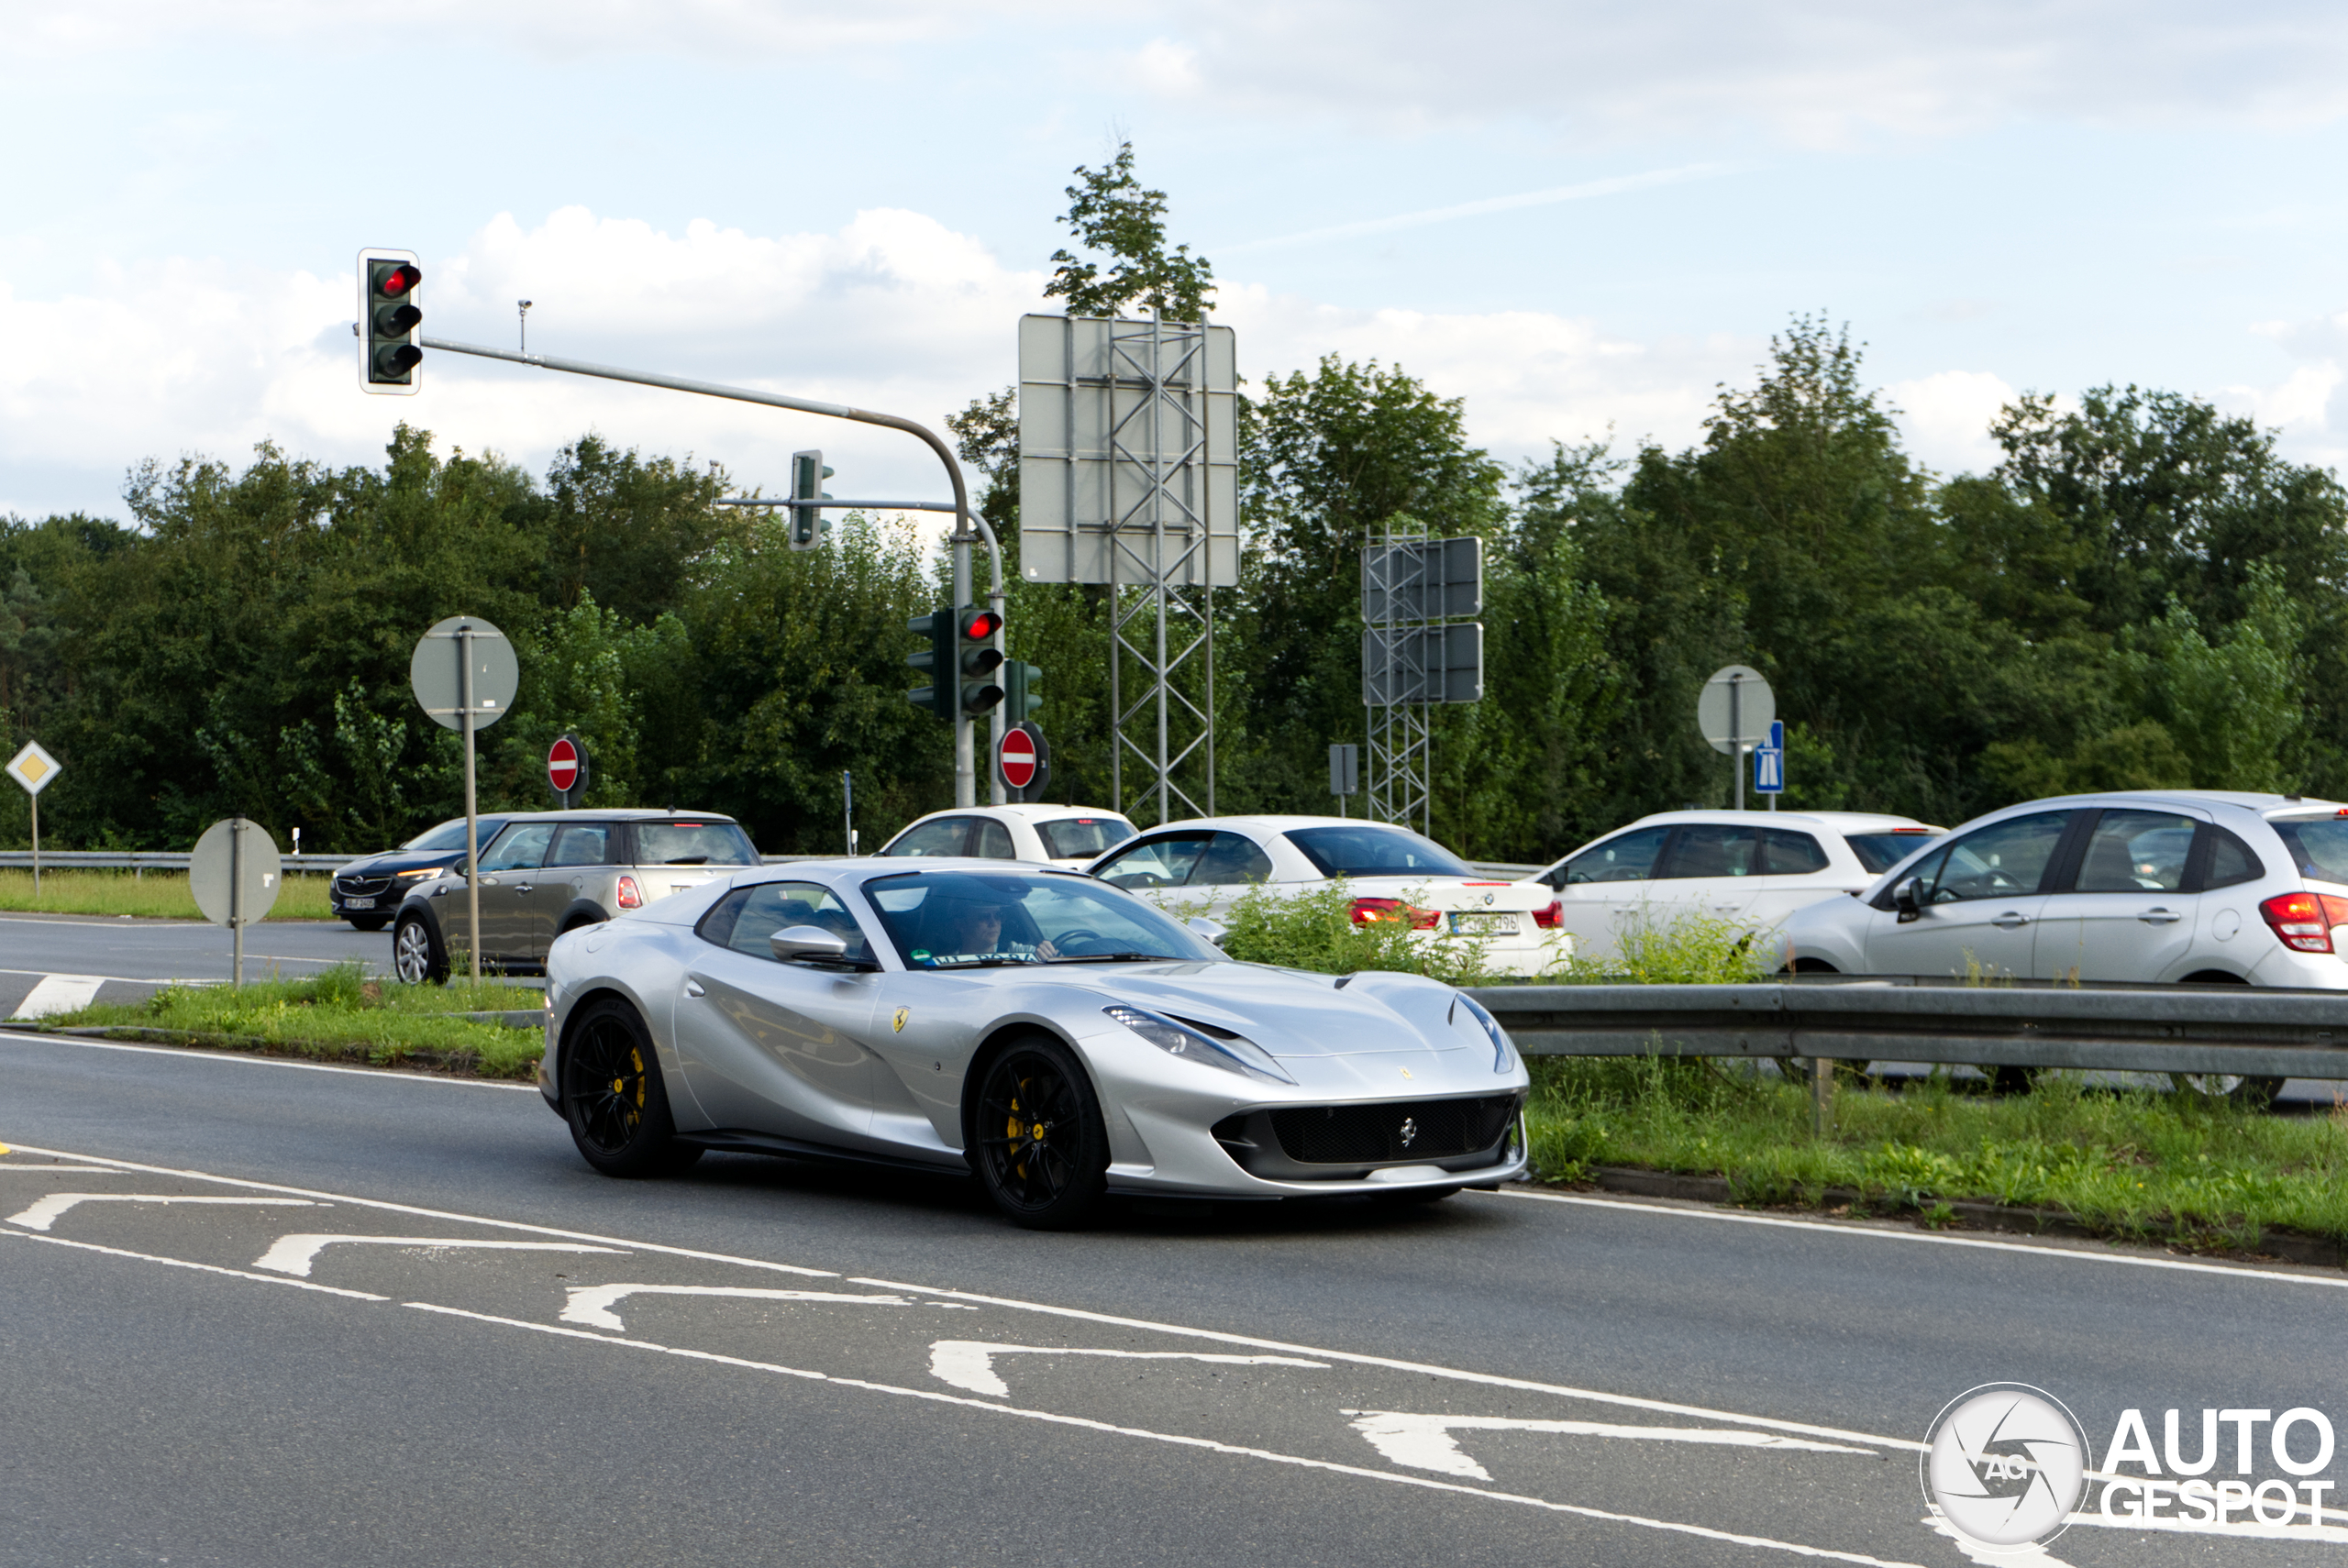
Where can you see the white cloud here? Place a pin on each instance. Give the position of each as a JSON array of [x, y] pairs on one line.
[[893, 312], [1945, 418]]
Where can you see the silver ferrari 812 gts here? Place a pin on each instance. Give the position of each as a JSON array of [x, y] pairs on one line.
[[1057, 1037]]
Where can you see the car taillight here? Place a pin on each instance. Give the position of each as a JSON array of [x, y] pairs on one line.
[[1550, 915], [1368, 912], [629, 896], [2304, 920]]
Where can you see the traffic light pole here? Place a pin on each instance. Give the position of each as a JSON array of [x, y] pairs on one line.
[[968, 527]]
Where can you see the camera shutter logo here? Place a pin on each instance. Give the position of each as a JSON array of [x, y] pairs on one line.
[[2006, 1464]]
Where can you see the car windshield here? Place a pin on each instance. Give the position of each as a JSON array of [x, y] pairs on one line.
[[450, 835], [960, 920], [1081, 838], [1370, 851], [692, 844], [1879, 851], [2320, 849]]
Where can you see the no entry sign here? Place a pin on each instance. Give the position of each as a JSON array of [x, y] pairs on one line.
[[562, 766], [1023, 762], [1018, 759], [567, 770]]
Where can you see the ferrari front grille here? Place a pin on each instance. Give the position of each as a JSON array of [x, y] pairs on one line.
[[1410, 1130]]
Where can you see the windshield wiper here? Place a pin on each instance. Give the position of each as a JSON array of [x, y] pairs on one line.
[[1111, 957], [981, 963]]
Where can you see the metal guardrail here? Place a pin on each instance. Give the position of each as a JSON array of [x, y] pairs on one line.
[[151, 860], [2150, 1028]]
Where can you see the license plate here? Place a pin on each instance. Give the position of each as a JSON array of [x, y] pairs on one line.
[[358, 903], [1482, 924]]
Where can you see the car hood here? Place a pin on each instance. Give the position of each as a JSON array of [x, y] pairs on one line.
[[396, 860], [1290, 1013]]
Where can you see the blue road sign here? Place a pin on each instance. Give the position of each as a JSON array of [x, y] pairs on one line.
[[1769, 762]]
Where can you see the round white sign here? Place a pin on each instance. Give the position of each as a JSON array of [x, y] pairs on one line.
[[2006, 1465]]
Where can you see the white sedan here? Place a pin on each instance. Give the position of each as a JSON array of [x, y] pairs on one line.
[[1750, 867], [1207, 865], [1073, 836]]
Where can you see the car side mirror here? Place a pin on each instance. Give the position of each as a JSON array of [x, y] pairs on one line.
[[1908, 898], [463, 867], [795, 942], [1212, 932]]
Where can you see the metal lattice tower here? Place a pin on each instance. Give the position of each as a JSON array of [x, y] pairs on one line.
[[1394, 653]]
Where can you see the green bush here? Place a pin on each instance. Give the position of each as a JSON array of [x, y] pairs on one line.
[[1686, 950], [1315, 930]]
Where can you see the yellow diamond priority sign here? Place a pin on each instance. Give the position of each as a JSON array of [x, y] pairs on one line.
[[33, 767]]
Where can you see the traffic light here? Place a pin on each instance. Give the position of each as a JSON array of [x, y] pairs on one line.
[[1019, 698], [935, 659], [976, 658], [391, 321], [808, 525]]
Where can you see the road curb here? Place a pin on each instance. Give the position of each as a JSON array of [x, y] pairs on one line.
[[2289, 1246], [399, 1058]]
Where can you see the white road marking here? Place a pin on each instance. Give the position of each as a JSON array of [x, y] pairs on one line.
[[1994, 1556], [389, 1208], [592, 1304], [59, 993], [1207, 1445], [1424, 1442], [126, 980], [295, 1255], [45, 1211], [193, 1054], [1424, 1369], [1929, 1238], [66, 1170], [198, 1267], [969, 1363]]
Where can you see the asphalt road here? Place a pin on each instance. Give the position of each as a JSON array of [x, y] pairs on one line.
[[421, 1331]]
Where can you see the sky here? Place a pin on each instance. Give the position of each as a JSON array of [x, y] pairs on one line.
[[1581, 219]]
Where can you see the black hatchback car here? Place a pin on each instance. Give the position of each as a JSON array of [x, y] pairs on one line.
[[368, 891]]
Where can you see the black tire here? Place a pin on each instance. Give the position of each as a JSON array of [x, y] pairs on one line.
[[1038, 1139], [417, 957], [2246, 1093], [368, 923], [613, 1095], [2013, 1079]]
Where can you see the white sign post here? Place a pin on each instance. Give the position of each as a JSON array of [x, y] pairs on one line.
[[33, 768], [1735, 710], [235, 876], [464, 675]]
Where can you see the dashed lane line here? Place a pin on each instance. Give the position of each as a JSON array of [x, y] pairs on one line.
[[296, 1255], [44, 1213], [1207, 1445]]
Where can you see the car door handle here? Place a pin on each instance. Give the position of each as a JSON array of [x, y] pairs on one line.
[[692, 987], [2160, 917], [2011, 920], [521, 887]]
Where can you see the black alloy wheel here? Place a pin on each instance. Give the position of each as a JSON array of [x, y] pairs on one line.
[[614, 1099], [1042, 1149], [417, 957]]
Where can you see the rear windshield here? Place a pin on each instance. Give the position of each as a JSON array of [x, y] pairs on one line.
[[2320, 849], [451, 836], [1879, 851], [1373, 851], [692, 844], [1074, 838]]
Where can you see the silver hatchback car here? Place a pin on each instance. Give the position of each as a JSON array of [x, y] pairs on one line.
[[2199, 886], [548, 872]]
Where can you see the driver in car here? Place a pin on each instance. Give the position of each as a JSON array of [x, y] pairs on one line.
[[976, 932]]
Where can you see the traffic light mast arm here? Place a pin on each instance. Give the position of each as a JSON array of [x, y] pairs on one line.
[[965, 762]]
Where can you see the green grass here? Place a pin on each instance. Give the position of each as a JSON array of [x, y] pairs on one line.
[[1315, 930], [161, 894], [342, 1015], [2136, 1164]]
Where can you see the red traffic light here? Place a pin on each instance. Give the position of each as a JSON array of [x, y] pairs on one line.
[[399, 279], [981, 624]]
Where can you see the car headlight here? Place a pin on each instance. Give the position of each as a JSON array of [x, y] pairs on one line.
[[1233, 1055], [1503, 1053], [419, 871]]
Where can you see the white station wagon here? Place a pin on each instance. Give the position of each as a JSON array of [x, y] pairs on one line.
[[1754, 869]]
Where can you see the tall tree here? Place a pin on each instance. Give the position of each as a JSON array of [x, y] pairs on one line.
[[1114, 218]]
